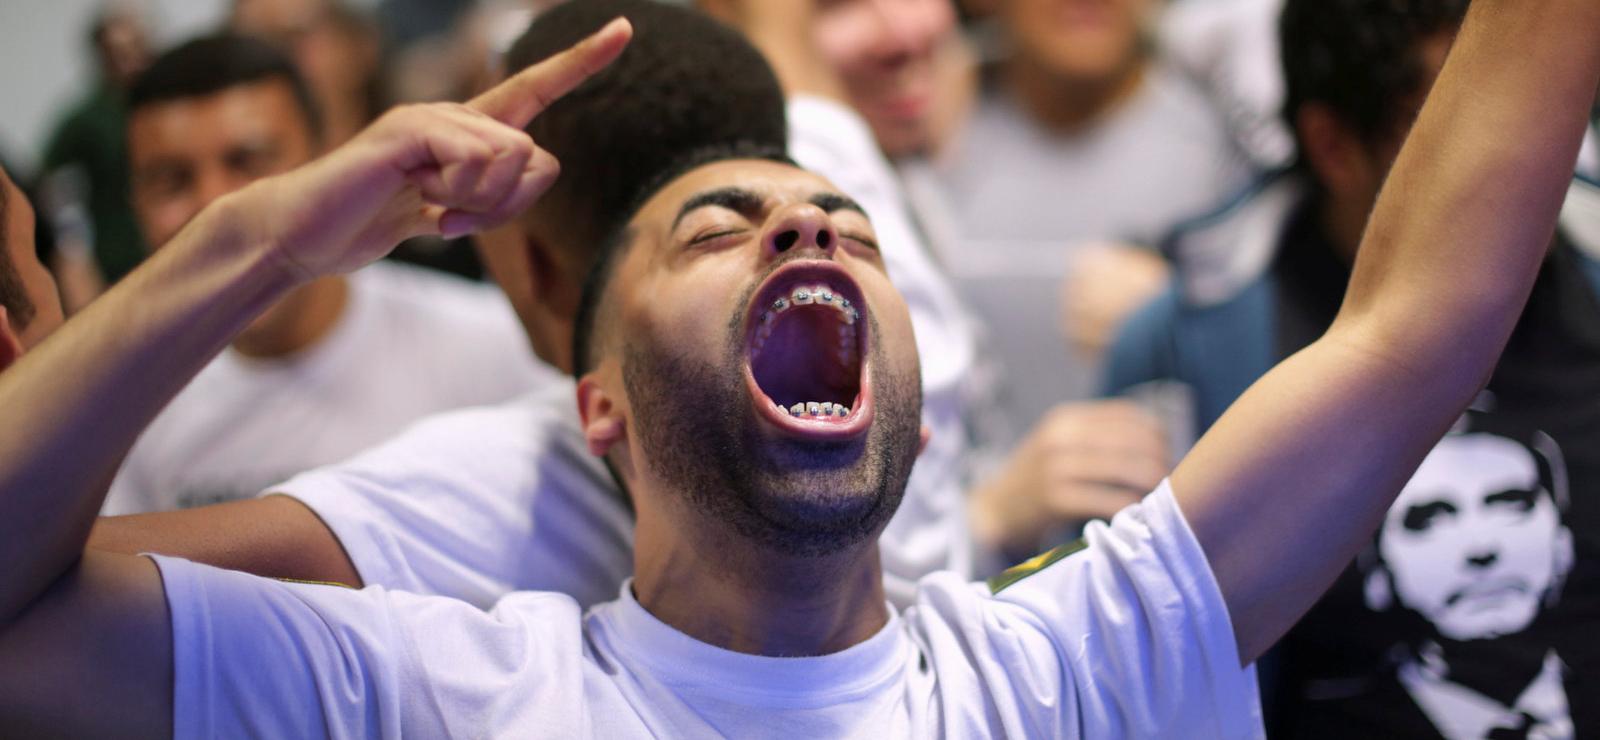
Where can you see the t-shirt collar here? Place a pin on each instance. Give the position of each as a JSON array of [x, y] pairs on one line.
[[678, 659]]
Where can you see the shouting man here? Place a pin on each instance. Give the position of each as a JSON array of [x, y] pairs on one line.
[[740, 297]]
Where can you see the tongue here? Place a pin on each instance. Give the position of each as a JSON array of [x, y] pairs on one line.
[[799, 363]]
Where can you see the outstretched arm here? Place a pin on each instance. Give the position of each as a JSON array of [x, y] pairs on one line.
[[1288, 485], [75, 405]]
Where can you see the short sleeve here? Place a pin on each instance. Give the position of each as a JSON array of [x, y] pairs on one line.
[[476, 504], [254, 657], [1124, 634]]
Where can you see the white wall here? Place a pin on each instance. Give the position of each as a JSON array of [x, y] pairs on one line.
[[45, 64]]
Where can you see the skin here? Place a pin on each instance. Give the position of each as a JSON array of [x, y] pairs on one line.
[[187, 153], [97, 622]]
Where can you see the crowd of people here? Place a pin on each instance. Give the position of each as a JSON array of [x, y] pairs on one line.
[[1029, 368]]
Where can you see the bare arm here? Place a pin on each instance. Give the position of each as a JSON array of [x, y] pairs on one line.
[[1288, 485], [274, 536], [75, 405]]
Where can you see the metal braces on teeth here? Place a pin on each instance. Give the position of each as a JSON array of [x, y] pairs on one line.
[[813, 408]]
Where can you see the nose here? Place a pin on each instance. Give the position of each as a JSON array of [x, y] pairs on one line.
[[1482, 560], [800, 226]]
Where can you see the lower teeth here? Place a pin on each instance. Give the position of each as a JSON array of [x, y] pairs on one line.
[[814, 409]]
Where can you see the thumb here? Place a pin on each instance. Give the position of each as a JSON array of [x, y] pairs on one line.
[[526, 94]]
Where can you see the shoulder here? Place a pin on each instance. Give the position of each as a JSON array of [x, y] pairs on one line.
[[355, 662], [1127, 625]]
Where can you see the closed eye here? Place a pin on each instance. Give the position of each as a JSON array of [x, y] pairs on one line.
[[712, 236], [861, 239]]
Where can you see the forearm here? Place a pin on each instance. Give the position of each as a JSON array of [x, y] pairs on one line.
[[77, 402], [272, 536]]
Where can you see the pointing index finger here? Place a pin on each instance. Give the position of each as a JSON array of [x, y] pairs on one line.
[[524, 95]]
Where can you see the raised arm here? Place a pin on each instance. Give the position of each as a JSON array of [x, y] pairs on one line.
[[85, 646], [1292, 481]]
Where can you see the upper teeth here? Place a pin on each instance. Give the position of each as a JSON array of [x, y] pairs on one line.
[[807, 295], [813, 295]]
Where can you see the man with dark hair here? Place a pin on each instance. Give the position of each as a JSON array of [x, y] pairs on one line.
[[522, 506], [29, 306], [758, 605], [1262, 279], [333, 367]]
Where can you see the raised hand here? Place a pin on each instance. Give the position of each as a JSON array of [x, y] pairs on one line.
[[440, 168]]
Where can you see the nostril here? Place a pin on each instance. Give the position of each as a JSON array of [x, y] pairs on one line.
[[784, 241], [824, 239]]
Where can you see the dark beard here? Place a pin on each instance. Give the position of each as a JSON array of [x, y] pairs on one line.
[[803, 499]]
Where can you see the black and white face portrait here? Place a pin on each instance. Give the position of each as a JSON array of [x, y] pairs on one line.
[[1475, 543]]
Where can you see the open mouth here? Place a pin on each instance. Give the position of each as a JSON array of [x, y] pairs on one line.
[[806, 345]]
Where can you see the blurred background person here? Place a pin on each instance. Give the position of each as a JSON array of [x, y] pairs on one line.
[[1084, 147], [1383, 653], [336, 48], [85, 165], [337, 366]]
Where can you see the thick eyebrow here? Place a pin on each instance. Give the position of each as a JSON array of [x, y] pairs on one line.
[[735, 199], [831, 202], [749, 203]]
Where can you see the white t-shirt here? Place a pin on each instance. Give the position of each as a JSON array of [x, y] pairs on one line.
[[410, 343], [1127, 637], [476, 504]]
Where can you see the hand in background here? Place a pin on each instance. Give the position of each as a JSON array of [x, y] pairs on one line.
[[1082, 461], [1107, 283]]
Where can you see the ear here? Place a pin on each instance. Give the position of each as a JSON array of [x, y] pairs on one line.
[[1563, 555], [10, 343], [925, 437], [1332, 151], [602, 424], [1378, 589]]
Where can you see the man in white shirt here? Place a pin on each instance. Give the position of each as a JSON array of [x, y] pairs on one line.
[[733, 289], [406, 515], [477, 504], [334, 367]]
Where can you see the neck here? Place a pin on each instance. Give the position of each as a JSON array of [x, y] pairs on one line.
[[300, 320], [1066, 104], [723, 591]]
